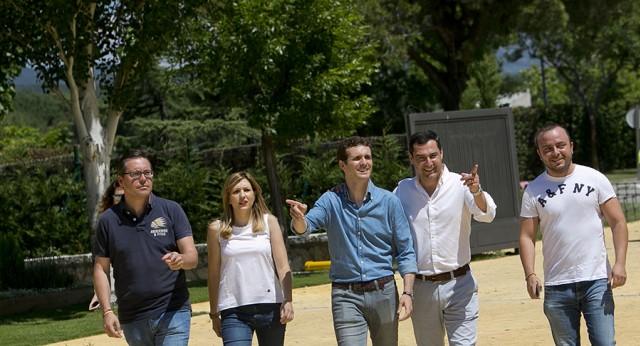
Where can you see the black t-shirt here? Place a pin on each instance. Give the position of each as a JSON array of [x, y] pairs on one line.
[[144, 284]]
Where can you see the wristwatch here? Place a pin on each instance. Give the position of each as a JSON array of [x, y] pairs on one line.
[[410, 294], [477, 193]]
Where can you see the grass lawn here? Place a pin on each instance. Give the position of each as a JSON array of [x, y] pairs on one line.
[[622, 175]]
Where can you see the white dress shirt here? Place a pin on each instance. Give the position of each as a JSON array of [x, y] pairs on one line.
[[441, 223]]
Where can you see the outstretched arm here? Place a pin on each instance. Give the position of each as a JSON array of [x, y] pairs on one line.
[[297, 211]]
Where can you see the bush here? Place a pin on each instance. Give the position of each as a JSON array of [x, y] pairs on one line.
[[11, 262], [48, 210], [196, 188], [43, 273]]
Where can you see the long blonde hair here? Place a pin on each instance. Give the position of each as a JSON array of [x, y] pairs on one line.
[[258, 209]]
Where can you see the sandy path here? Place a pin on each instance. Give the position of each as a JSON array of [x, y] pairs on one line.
[[507, 315]]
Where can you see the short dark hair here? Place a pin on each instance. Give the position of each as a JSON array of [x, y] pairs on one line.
[[422, 137], [547, 128], [350, 142], [133, 154]]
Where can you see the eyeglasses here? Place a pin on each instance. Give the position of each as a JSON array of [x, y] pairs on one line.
[[136, 175], [118, 196]]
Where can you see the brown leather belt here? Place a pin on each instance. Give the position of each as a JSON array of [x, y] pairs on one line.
[[445, 276], [364, 286]]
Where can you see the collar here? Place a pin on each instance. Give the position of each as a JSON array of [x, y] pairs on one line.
[[128, 212]]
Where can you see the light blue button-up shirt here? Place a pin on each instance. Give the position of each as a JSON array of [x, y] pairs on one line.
[[364, 241]]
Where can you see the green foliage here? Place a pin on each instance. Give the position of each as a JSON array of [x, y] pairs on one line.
[[616, 148], [196, 188], [389, 162], [590, 44], [159, 135], [557, 92], [10, 67], [295, 67], [48, 210], [37, 110], [484, 86], [11, 261], [20, 144], [320, 172], [441, 38], [41, 273], [396, 90]]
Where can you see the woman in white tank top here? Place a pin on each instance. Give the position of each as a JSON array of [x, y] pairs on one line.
[[249, 274]]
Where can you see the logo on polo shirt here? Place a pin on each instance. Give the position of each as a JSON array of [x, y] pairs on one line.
[[159, 227]]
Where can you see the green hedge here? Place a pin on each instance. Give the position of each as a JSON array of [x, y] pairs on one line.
[[615, 140]]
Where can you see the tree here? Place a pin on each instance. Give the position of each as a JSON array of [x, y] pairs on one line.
[[484, 86], [85, 43], [10, 67], [293, 67], [590, 44], [442, 37]]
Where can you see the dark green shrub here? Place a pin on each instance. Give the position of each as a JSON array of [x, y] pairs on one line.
[[43, 273], [616, 143], [196, 188], [389, 162], [47, 210], [11, 262]]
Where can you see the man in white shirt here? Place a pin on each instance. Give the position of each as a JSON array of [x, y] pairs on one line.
[[439, 205], [567, 202]]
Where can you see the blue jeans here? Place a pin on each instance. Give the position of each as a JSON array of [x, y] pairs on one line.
[[355, 312], [563, 305], [238, 324], [172, 328]]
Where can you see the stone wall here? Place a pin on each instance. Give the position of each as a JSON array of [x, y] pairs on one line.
[[300, 249]]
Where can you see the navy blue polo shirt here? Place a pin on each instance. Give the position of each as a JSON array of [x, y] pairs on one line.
[[145, 286]]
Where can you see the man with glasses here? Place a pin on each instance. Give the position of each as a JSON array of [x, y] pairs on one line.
[[149, 242]]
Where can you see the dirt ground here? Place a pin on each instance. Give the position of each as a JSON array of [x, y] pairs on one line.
[[507, 315]]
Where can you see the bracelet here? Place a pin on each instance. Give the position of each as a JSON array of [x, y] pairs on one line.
[[410, 294], [106, 312], [527, 277]]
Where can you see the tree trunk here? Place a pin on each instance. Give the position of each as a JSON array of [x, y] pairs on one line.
[[451, 99], [95, 154], [269, 152]]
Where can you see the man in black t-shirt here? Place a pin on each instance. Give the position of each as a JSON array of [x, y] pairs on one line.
[[149, 242]]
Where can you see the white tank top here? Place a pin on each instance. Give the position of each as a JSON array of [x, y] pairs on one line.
[[247, 273]]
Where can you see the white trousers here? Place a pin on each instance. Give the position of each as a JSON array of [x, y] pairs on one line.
[[446, 305]]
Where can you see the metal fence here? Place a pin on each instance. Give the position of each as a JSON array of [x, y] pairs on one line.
[[629, 197]]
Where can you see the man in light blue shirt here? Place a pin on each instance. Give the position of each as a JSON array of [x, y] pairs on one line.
[[367, 229]]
